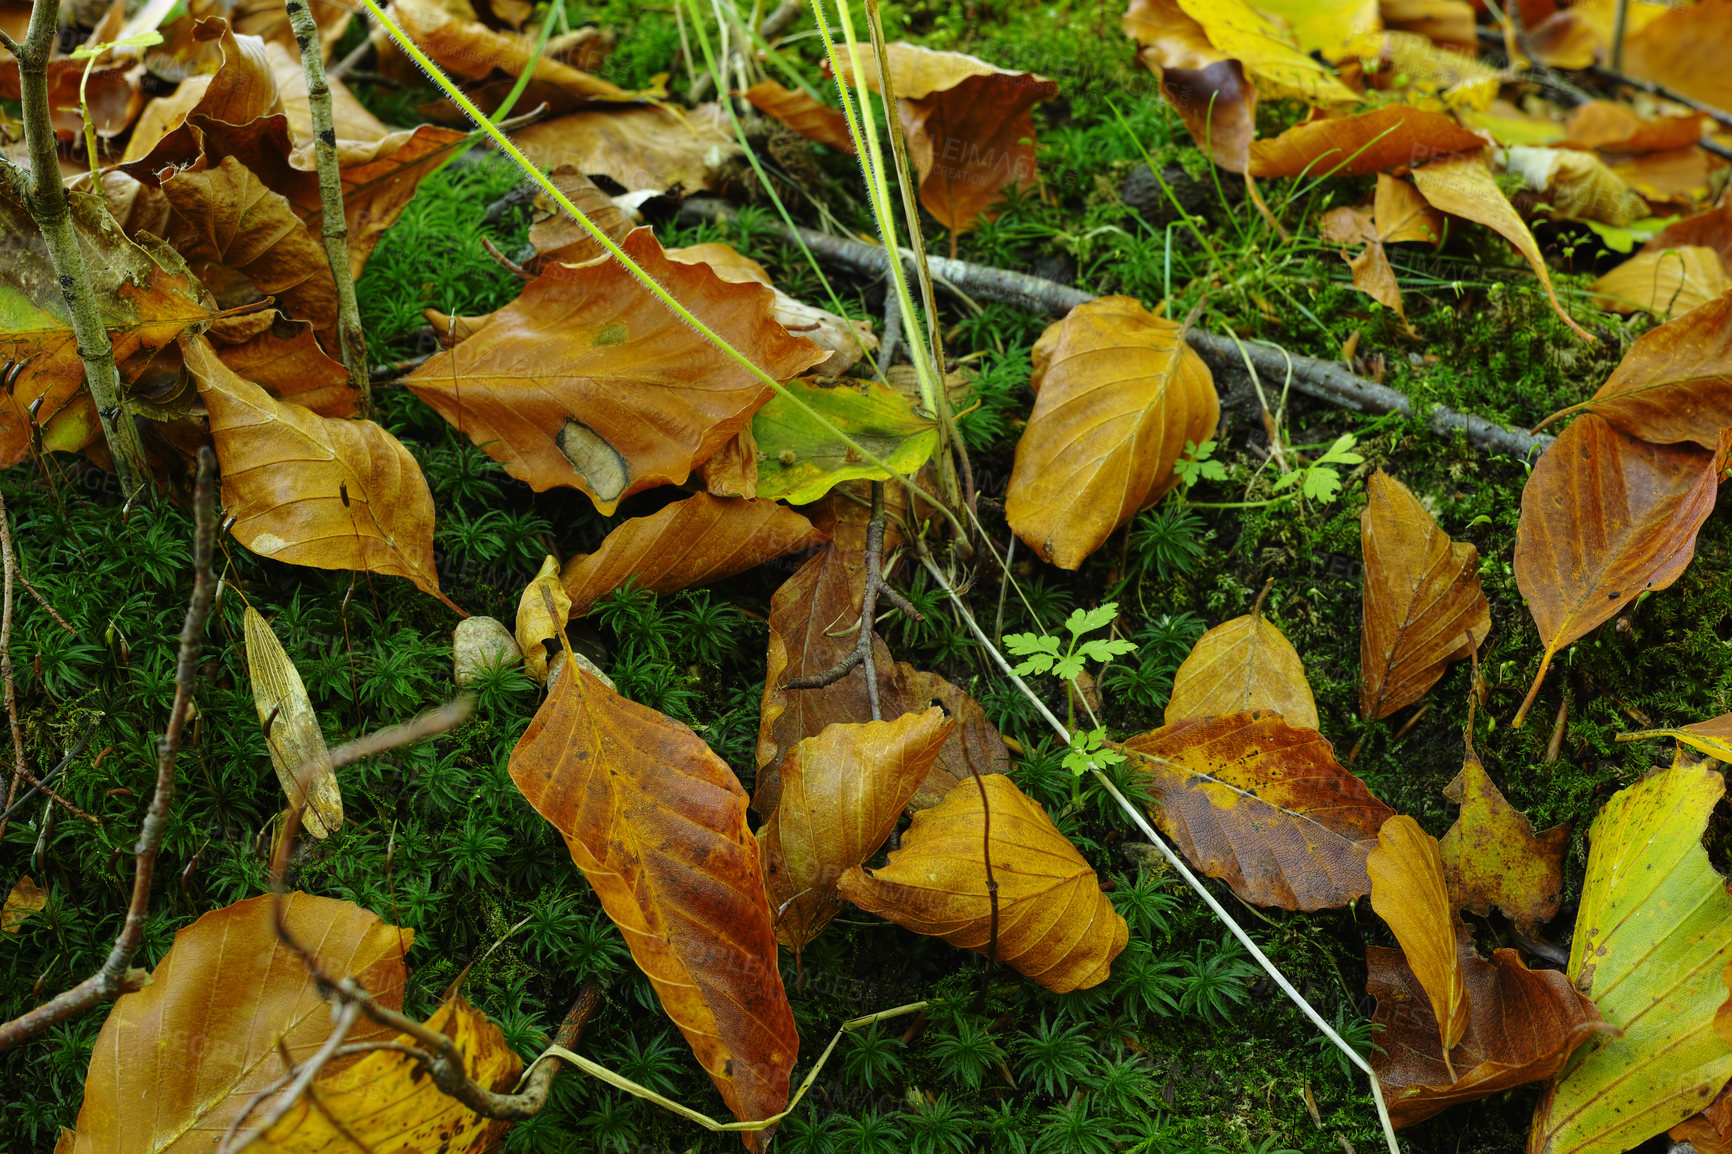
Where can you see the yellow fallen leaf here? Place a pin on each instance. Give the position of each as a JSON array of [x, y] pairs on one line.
[[292, 731]]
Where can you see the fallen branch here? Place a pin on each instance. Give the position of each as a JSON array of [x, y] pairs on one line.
[[335, 224], [116, 975], [44, 196], [1321, 380]]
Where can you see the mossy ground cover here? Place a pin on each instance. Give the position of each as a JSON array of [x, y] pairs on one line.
[[1187, 1047]]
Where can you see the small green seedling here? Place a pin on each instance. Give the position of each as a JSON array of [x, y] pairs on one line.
[[1040, 654], [90, 54], [1320, 481], [1197, 464]]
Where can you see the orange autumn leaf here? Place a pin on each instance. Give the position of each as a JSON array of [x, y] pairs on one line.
[[1610, 126], [1675, 383], [1709, 229], [284, 358], [1208, 89], [1492, 857], [556, 236], [657, 824], [974, 746], [1522, 1027], [1604, 519], [1409, 893], [387, 1101], [811, 118], [1398, 213], [1423, 607], [969, 127], [1680, 48], [1263, 805], [588, 381], [1240, 665], [696, 541], [1119, 395], [177, 1060], [1669, 283], [1379, 141], [1054, 923], [842, 792], [308, 490], [1709, 1131], [1463, 186]]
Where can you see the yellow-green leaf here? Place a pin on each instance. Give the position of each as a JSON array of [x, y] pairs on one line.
[[1712, 737], [801, 460], [1653, 936]]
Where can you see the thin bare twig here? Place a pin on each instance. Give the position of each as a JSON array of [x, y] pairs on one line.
[[116, 975], [875, 587]]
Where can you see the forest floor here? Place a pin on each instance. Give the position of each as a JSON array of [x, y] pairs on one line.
[[440, 839]]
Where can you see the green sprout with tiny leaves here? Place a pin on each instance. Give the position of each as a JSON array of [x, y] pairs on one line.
[[1040, 653]]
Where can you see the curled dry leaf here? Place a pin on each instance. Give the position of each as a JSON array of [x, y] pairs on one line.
[[969, 127], [1263, 805], [179, 1059], [1385, 139], [1668, 283], [1683, 178], [241, 90], [542, 612], [1653, 937], [1605, 518], [284, 358], [1054, 923], [841, 794], [1423, 607], [1614, 127], [640, 148], [1119, 395], [697, 541], [588, 381], [1463, 186], [143, 289], [387, 1101], [557, 236], [1206, 88], [1575, 185], [225, 216], [1239, 665], [349, 116], [974, 746], [1522, 1026], [25, 898], [1492, 857], [308, 490], [814, 621], [1398, 213], [806, 115], [1675, 383], [657, 823], [1408, 892], [292, 732]]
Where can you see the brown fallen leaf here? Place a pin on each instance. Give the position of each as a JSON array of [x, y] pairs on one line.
[[1423, 607], [811, 118], [640, 147], [557, 236], [307, 490], [657, 824], [109, 92], [1119, 394], [814, 621], [387, 1101], [1409, 893], [1446, 22], [537, 624], [1462, 186], [969, 127], [1670, 49], [1263, 805], [974, 746], [1492, 857], [588, 381], [1710, 229], [841, 794], [1398, 213], [1605, 518], [1682, 178], [1054, 923], [1522, 1027], [1240, 665], [283, 357], [349, 116], [1388, 138], [1709, 1131], [1669, 283], [225, 216], [143, 289], [1675, 383], [25, 898], [1611, 126], [1208, 89], [240, 90], [177, 1060], [292, 733], [696, 541]]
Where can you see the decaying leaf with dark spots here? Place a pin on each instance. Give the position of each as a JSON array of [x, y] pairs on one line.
[[1492, 857]]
